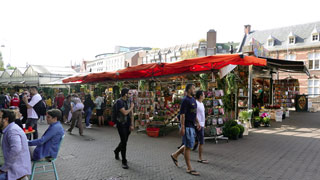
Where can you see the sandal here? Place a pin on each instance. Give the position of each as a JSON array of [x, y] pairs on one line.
[[193, 172], [174, 160], [203, 161]]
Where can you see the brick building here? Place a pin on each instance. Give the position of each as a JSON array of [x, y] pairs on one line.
[[297, 42]]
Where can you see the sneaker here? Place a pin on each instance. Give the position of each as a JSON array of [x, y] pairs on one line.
[[116, 155], [88, 127], [125, 166]]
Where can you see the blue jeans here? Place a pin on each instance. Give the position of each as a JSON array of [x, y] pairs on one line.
[[189, 137], [3, 176], [88, 116]]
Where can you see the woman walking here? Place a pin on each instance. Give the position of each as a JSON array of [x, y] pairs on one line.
[[88, 107]]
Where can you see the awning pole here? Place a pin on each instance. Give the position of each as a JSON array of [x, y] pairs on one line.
[[250, 88]]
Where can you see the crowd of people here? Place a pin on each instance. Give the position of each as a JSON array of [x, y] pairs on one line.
[[26, 109], [23, 111]]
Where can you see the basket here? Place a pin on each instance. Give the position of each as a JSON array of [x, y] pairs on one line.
[[153, 132]]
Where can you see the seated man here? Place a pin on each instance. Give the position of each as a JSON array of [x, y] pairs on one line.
[[48, 145], [17, 163]]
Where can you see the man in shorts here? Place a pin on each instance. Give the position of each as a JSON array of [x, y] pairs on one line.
[[188, 120]]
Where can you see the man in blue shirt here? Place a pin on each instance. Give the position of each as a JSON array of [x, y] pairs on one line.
[[188, 121], [48, 144], [15, 148]]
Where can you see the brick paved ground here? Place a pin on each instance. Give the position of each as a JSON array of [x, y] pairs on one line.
[[285, 151]]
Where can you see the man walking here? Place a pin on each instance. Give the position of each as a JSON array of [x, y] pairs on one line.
[[33, 115], [201, 119], [124, 125], [188, 119], [76, 109], [17, 163]]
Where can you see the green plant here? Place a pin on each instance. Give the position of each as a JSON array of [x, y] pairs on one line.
[[234, 132], [244, 115], [257, 119], [204, 81], [228, 125], [266, 120], [241, 130]]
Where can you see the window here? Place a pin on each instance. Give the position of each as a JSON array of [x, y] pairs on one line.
[[315, 37], [313, 87], [270, 42], [291, 57], [314, 61], [291, 40]]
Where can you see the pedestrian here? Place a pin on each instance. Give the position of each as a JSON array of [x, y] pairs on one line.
[[88, 107], [201, 119], [43, 111], [17, 163], [15, 101], [49, 103], [66, 108], [32, 112], [76, 109], [99, 110], [58, 101], [188, 121], [125, 124], [23, 107], [3, 100]]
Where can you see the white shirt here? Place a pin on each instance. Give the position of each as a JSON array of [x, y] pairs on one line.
[[31, 112], [200, 113], [98, 102]]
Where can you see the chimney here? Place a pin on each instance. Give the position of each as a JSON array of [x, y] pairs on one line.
[[247, 29], [211, 42]]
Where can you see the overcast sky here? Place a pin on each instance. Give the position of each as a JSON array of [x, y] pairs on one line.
[[57, 32]]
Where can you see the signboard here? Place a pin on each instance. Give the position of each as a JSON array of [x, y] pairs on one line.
[[258, 49]]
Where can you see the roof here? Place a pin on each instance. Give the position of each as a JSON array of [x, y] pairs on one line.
[[53, 70], [302, 32], [1, 72], [21, 69], [9, 71]]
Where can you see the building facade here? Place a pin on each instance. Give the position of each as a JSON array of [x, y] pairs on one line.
[[295, 43]]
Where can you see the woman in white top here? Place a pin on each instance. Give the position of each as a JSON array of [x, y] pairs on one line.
[[201, 119]]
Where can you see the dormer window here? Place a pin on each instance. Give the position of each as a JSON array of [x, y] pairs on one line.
[[292, 38], [315, 37], [270, 41], [315, 34]]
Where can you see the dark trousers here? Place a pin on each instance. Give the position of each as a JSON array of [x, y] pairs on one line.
[[124, 132], [34, 124]]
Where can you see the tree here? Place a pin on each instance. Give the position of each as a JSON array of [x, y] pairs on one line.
[[10, 67], [188, 54], [1, 63], [202, 40]]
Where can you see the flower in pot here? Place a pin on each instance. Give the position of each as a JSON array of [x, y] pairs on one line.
[[234, 132], [257, 121], [266, 121]]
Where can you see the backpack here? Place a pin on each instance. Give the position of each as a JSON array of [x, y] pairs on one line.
[[103, 104], [39, 108], [114, 115]]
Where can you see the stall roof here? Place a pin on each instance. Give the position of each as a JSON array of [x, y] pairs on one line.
[[285, 65], [156, 70]]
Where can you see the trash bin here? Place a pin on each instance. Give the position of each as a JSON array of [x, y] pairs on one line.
[[301, 102]]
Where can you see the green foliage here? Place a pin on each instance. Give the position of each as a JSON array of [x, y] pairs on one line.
[[241, 130], [231, 83], [1, 63], [227, 126], [202, 40], [244, 115], [234, 132], [142, 85], [116, 92], [204, 81]]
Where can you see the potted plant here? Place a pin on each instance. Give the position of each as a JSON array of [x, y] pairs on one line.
[[256, 122], [227, 126], [241, 130], [234, 132], [265, 118]]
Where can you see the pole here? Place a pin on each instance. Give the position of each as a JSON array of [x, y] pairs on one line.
[[250, 87]]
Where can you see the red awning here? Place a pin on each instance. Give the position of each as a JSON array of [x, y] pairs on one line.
[[144, 71]]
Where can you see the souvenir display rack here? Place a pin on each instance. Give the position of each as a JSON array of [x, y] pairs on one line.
[[285, 92], [214, 112]]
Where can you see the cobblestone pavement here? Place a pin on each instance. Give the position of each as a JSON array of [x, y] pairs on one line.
[[285, 151]]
